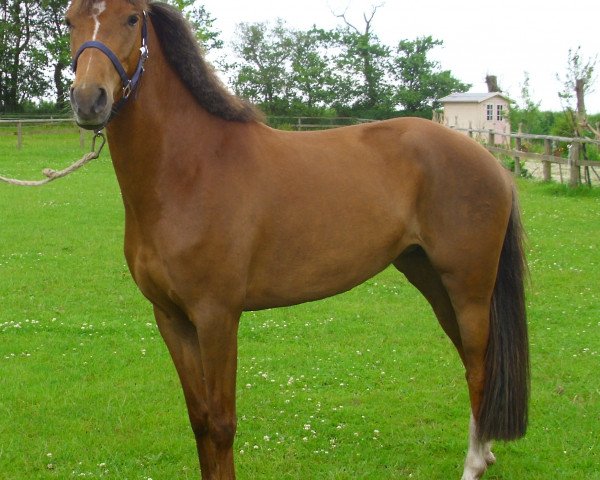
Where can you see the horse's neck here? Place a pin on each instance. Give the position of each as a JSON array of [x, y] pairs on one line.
[[146, 134], [161, 109]]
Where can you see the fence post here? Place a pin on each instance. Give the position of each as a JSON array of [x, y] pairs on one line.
[[470, 132], [491, 141], [573, 162], [19, 135], [519, 145], [546, 165]]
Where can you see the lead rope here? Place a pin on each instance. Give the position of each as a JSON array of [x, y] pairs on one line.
[[51, 174]]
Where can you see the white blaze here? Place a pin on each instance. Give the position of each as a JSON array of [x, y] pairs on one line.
[[97, 10]]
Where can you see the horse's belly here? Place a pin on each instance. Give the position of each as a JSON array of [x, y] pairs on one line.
[[315, 271]]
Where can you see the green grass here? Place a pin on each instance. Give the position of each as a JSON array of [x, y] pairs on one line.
[[363, 385]]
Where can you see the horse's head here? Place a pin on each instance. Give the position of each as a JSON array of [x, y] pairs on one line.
[[108, 48]]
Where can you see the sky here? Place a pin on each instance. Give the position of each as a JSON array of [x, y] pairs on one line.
[[506, 38]]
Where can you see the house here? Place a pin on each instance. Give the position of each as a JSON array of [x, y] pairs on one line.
[[480, 111]]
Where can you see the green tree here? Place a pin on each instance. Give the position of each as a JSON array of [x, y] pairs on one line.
[[56, 44], [363, 64], [347, 69], [21, 65], [263, 73], [527, 114], [577, 83], [419, 81], [312, 75], [34, 52], [202, 23], [578, 68]]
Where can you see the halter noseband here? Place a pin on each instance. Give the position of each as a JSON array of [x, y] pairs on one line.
[[129, 84]]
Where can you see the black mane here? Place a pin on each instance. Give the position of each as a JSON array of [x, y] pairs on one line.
[[183, 53]]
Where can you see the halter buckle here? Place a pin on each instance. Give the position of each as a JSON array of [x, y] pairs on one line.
[[127, 90]]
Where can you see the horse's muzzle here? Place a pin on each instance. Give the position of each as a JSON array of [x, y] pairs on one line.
[[91, 105]]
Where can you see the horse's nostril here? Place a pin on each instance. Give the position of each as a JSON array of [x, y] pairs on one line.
[[101, 101]]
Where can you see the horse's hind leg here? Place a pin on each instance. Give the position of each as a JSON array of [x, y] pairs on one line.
[[473, 319], [470, 286], [470, 345], [418, 270]]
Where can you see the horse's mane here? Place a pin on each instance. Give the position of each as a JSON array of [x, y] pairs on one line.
[[183, 53]]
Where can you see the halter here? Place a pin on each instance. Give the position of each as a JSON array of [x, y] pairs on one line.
[[129, 84]]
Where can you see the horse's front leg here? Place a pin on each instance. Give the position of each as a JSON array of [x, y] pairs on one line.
[[204, 350]]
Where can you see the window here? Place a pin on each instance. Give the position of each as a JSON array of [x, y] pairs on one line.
[[490, 112], [499, 112]]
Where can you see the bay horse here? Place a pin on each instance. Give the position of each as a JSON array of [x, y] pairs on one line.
[[224, 214]]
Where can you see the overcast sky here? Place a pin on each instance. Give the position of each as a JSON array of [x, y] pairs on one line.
[[506, 40]]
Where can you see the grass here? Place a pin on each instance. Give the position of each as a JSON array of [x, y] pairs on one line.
[[363, 385]]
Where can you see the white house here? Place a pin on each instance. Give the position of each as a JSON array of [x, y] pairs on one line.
[[480, 111]]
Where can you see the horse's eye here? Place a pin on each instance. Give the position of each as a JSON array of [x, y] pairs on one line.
[[68, 24], [132, 20]]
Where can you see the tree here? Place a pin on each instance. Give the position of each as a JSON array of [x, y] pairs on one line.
[[202, 22], [578, 70], [420, 81], [263, 75], [56, 43], [33, 49], [363, 64], [312, 76], [286, 71], [21, 65], [527, 115], [578, 81]]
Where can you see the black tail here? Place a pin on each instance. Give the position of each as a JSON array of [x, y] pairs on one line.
[[503, 411]]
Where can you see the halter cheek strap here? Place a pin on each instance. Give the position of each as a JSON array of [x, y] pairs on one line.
[[129, 84]]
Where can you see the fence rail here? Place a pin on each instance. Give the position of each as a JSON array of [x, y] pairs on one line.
[[16, 127], [574, 160], [314, 123]]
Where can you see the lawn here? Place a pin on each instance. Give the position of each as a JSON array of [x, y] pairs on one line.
[[363, 385]]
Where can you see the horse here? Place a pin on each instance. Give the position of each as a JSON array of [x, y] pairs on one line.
[[224, 214]]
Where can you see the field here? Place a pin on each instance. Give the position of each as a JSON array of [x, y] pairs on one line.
[[363, 385]]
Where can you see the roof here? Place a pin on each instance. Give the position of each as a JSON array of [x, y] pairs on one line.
[[472, 97]]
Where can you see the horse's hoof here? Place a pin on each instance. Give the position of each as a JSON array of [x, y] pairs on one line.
[[490, 458]]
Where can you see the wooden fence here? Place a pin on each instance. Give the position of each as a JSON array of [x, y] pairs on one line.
[[313, 123], [519, 147], [20, 126]]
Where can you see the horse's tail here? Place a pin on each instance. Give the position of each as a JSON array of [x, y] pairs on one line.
[[504, 408]]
